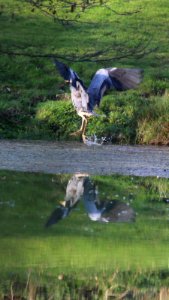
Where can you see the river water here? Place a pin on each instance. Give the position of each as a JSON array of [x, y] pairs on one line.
[[65, 157], [80, 222]]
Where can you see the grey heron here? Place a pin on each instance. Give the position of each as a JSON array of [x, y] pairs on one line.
[[85, 99]]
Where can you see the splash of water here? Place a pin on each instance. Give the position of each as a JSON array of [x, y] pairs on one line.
[[94, 140]]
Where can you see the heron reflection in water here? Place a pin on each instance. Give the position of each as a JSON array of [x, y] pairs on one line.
[[82, 187]]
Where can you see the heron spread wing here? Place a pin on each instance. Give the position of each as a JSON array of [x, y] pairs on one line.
[[83, 99], [105, 79]]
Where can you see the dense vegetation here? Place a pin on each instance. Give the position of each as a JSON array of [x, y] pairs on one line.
[[116, 285], [35, 102]]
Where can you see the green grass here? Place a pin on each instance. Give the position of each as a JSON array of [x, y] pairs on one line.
[[134, 117]]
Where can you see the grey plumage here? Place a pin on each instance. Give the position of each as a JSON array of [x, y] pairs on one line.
[[112, 78], [84, 100]]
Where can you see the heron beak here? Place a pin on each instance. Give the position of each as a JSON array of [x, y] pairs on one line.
[[67, 81]]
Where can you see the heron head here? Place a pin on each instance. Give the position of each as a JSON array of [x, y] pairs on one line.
[[67, 81]]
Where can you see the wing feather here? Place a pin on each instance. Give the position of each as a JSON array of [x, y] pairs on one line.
[[63, 70], [120, 79], [129, 78]]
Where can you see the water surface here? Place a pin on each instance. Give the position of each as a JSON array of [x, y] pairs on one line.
[[132, 233], [71, 157]]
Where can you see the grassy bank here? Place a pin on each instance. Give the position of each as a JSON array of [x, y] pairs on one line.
[[34, 101], [102, 286]]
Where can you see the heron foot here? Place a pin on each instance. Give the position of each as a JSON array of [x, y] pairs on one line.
[[76, 133], [84, 138]]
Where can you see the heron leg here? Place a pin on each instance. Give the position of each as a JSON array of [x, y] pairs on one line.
[[85, 116], [85, 121], [78, 132]]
